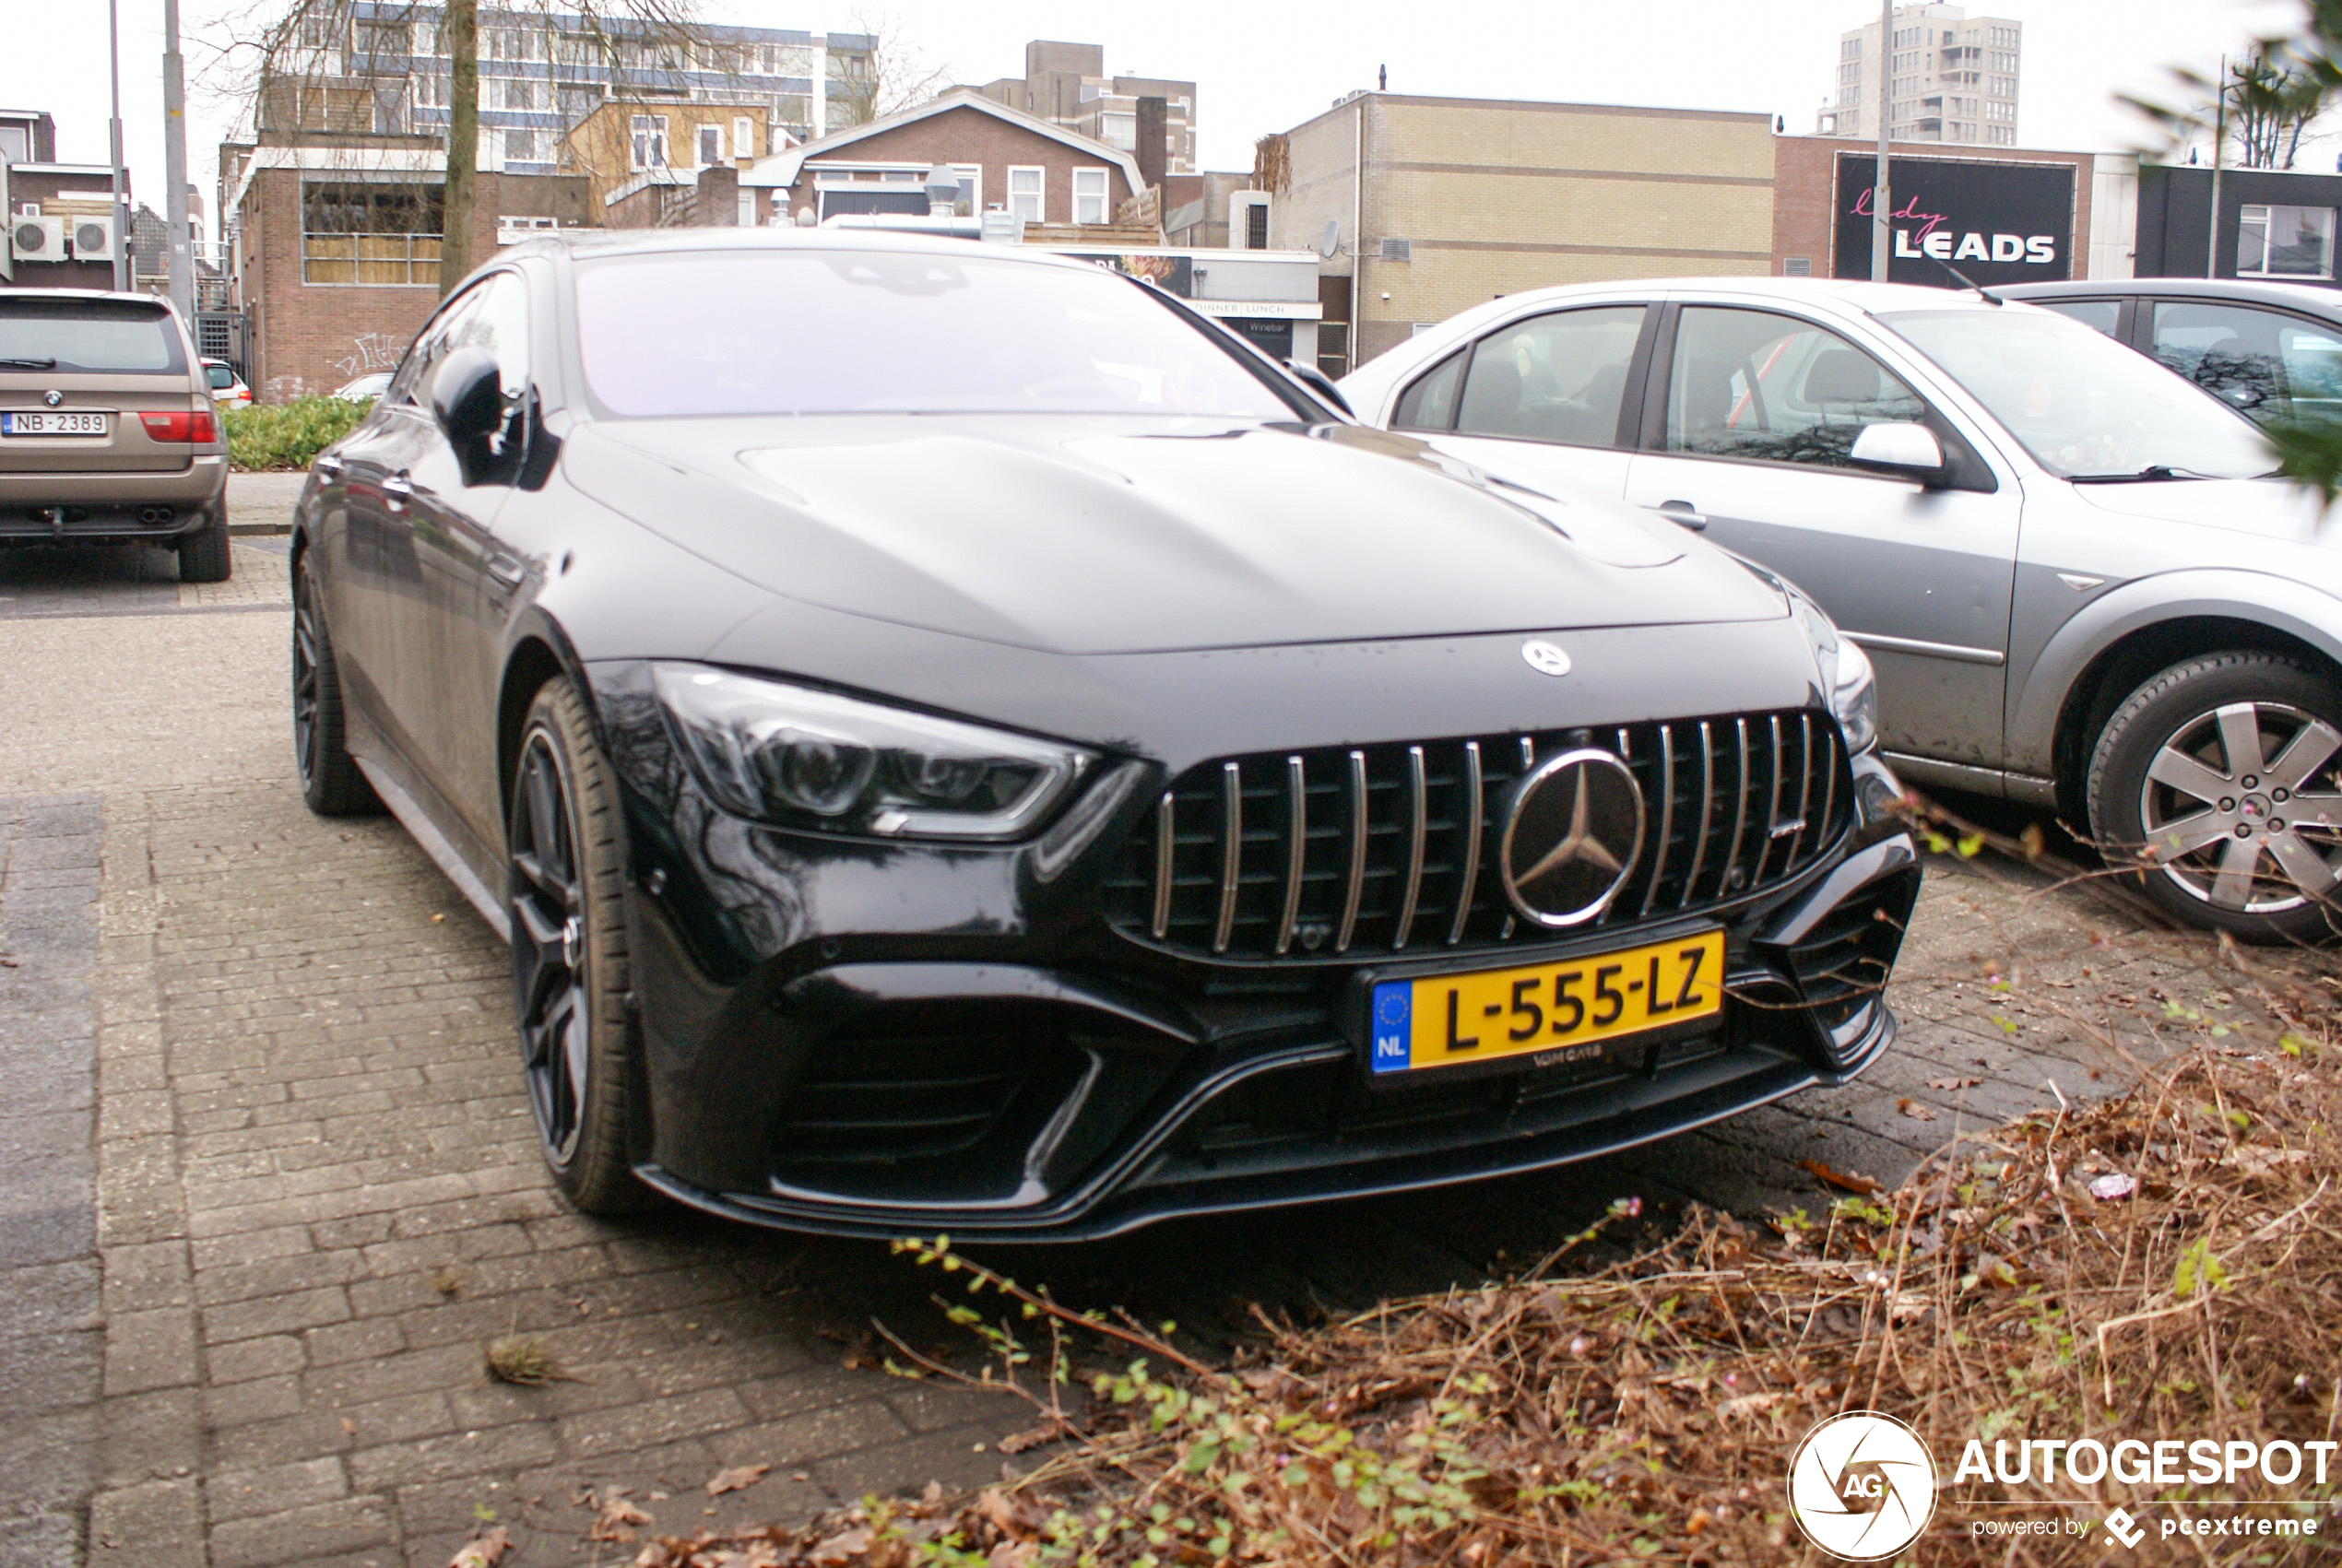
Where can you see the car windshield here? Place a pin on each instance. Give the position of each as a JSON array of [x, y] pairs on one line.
[[2083, 405], [87, 335], [849, 332]]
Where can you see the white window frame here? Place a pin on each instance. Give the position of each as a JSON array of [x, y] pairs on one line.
[[1103, 194], [1032, 205], [971, 186], [2268, 211], [743, 137], [647, 141], [700, 136]]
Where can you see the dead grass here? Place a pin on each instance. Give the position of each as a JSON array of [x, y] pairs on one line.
[[1647, 1410], [520, 1359]]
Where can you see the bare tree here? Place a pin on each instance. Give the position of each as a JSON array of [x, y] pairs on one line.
[[2271, 100], [889, 75], [346, 66]]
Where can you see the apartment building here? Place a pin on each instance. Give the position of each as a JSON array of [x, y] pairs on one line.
[[1067, 84], [1952, 77], [380, 67]]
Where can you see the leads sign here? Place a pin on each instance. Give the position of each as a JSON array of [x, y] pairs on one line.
[[1995, 222]]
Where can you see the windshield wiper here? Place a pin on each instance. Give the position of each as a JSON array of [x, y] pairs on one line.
[[2154, 473], [27, 364]]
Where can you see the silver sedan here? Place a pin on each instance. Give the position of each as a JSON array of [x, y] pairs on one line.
[[2077, 579]]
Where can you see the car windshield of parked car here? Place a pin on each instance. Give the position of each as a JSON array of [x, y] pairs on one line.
[[2083, 405], [851, 332], [106, 336]]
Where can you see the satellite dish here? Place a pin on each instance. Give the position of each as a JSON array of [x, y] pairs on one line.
[[1331, 240]]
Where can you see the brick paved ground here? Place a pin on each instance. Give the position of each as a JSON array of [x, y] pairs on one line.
[[317, 1193]]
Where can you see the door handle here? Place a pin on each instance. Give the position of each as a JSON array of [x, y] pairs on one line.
[[398, 490], [1683, 512], [506, 570]]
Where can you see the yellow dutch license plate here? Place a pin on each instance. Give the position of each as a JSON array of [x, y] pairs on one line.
[[1558, 1012]]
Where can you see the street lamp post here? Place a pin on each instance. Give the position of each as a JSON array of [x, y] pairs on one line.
[[121, 192], [1881, 201], [177, 258]]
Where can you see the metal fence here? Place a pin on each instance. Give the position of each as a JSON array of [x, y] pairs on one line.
[[226, 335]]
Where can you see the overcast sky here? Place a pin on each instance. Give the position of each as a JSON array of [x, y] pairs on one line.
[[1263, 67]]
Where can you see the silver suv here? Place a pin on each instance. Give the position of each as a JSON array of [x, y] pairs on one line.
[[108, 434], [2076, 580]]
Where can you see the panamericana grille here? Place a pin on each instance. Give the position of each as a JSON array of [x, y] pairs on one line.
[[1394, 847]]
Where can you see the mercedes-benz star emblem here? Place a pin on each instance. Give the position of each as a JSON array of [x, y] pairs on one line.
[[1543, 657], [52, 398], [1574, 829]]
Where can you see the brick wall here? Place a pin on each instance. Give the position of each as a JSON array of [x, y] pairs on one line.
[[1805, 199], [313, 337], [970, 135]]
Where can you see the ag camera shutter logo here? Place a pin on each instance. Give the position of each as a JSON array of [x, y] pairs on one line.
[[1861, 1486]]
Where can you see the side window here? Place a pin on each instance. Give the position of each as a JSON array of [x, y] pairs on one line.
[[1557, 377], [498, 322], [412, 382], [1773, 389], [2102, 315], [2265, 364], [1430, 403]]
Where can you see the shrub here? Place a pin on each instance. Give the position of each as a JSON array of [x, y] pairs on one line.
[[288, 435]]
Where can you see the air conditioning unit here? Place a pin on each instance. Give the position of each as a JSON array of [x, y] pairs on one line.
[[37, 238], [94, 239]]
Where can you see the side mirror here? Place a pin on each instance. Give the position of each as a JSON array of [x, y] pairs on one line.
[[1899, 447], [468, 399], [1316, 381]]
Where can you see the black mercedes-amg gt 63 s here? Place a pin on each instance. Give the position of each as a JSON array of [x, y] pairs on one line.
[[958, 741]]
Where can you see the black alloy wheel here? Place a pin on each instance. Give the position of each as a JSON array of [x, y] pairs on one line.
[[568, 953], [2221, 779], [330, 780]]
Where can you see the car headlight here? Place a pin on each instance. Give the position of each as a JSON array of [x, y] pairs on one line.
[[1848, 679], [796, 757]]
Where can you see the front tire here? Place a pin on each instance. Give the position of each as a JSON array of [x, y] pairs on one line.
[[569, 964], [330, 780], [203, 555], [2220, 779]]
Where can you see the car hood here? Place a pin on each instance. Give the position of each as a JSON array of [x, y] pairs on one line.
[[2274, 508], [1079, 535]]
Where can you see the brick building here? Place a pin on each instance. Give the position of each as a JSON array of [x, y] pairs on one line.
[[656, 142], [49, 247], [1426, 205], [1005, 161], [335, 253]]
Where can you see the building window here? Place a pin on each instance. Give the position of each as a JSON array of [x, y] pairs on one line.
[[710, 146], [520, 147], [650, 141], [1025, 194], [1120, 131], [971, 198], [2285, 242], [1255, 227], [381, 234], [743, 137], [1089, 195]]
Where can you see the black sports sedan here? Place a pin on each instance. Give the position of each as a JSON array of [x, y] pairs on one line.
[[957, 741]]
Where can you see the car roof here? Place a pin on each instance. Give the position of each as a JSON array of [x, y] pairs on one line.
[[2294, 296], [596, 243], [85, 294]]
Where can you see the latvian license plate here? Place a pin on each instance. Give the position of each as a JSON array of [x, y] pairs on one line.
[[39, 423], [1555, 1012]]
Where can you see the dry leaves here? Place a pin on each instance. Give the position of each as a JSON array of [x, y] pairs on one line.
[[1845, 1181], [1954, 1083], [1914, 1110], [615, 1521], [739, 1480], [486, 1551]]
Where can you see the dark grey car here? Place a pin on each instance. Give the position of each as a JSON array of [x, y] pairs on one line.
[[2271, 350]]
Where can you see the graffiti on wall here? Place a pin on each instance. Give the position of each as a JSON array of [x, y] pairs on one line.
[[372, 352]]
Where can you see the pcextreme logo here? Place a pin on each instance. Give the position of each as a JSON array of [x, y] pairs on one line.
[[1861, 1486]]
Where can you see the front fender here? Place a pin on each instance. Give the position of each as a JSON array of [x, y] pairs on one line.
[[2279, 603]]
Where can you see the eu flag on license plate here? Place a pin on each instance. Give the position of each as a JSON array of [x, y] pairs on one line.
[[1394, 1008]]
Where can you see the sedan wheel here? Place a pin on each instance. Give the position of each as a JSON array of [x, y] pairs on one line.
[[330, 782], [568, 953], [2219, 779]]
